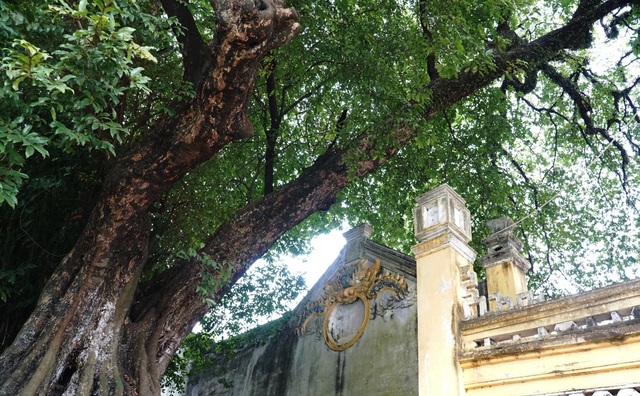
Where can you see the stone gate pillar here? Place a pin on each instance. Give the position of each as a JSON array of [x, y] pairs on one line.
[[505, 268], [445, 278]]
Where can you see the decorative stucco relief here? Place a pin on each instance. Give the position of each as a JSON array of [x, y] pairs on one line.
[[349, 301]]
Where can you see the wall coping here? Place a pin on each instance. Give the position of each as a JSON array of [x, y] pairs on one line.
[[595, 308]]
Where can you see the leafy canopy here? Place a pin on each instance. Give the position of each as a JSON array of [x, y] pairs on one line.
[[66, 71], [556, 148]]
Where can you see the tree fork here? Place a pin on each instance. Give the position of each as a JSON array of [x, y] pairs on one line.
[[258, 225], [72, 342], [145, 342]]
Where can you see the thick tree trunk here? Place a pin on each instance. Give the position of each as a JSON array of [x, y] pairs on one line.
[[80, 340], [95, 329]]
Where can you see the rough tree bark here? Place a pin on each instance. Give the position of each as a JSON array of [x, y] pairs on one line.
[[96, 329], [72, 342]]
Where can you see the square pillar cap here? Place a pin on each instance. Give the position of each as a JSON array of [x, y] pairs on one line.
[[503, 245], [441, 211], [356, 237]]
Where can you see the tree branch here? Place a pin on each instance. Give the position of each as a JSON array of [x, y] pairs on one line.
[[432, 71], [172, 297], [274, 128], [569, 87], [534, 54], [584, 109], [195, 53]]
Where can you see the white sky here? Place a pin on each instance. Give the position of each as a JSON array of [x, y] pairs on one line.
[[326, 248]]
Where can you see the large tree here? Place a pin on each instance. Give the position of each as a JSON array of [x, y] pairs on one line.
[[177, 142]]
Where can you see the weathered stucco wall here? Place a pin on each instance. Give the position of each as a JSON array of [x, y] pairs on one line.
[[356, 331], [383, 361]]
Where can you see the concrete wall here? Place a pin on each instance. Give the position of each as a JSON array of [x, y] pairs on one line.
[[383, 361], [573, 344], [364, 328]]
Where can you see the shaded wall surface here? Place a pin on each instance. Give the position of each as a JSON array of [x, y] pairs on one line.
[[303, 360]]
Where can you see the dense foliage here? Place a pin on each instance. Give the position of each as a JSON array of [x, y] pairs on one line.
[[72, 77], [519, 116], [236, 320]]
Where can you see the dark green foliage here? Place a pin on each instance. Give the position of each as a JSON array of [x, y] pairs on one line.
[[71, 80], [554, 146], [265, 292]]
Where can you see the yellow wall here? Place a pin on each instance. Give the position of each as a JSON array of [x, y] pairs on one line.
[[585, 341], [569, 363], [581, 342]]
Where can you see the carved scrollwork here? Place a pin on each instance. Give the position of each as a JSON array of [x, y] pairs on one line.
[[348, 297]]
